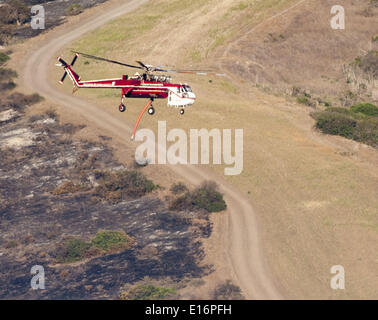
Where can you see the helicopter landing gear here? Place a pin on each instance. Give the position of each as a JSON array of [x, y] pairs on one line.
[[182, 111], [151, 110], [122, 106]]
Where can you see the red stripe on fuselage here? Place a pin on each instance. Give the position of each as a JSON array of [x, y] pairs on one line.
[[132, 88]]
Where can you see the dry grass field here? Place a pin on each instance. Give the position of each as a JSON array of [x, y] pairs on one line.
[[299, 48]]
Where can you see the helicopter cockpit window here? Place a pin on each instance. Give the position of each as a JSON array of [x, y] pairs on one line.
[[188, 89]]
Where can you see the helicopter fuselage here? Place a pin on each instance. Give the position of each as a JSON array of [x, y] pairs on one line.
[[178, 95]]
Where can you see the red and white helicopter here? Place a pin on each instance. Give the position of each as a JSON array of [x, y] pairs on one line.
[[147, 85]]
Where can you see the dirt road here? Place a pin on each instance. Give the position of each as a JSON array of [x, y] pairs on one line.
[[240, 245]]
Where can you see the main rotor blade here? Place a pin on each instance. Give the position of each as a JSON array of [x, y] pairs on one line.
[[198, 72], [107, 60], [150, 68], [143, 65]]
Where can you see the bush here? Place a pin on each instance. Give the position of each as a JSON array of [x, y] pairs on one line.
[[6, 78], [183, 202], [178, 188], [367, 109], [335, 123], [112, 240], [205, 197], [19, 99], [123, 185], [67, 187], [227, 291], [72, 250], [147, 292], [303, 100], [359, 123], [74, 9], [3, 58], [7, 85], [367, 132]]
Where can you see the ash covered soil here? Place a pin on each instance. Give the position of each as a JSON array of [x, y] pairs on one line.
[[55, 14], [39, 154]]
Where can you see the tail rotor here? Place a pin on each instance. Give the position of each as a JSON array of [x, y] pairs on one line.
[[64, 64]]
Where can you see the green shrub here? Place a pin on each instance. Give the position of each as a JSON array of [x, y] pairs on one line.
[[74, 9], [147, 292], [303, 100], [357, 61], [207, 197], [112, 240], [72, 250], [3, 58], [367, 132], [359, 123], [336, 124], [367, 109], [339, 110]]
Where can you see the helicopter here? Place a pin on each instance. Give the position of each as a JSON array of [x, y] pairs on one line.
[[147, 85]]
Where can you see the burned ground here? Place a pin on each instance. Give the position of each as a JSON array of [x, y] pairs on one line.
[[55, 14], [38, 154]]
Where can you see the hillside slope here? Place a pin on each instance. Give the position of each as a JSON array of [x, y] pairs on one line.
[[299, 48]]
